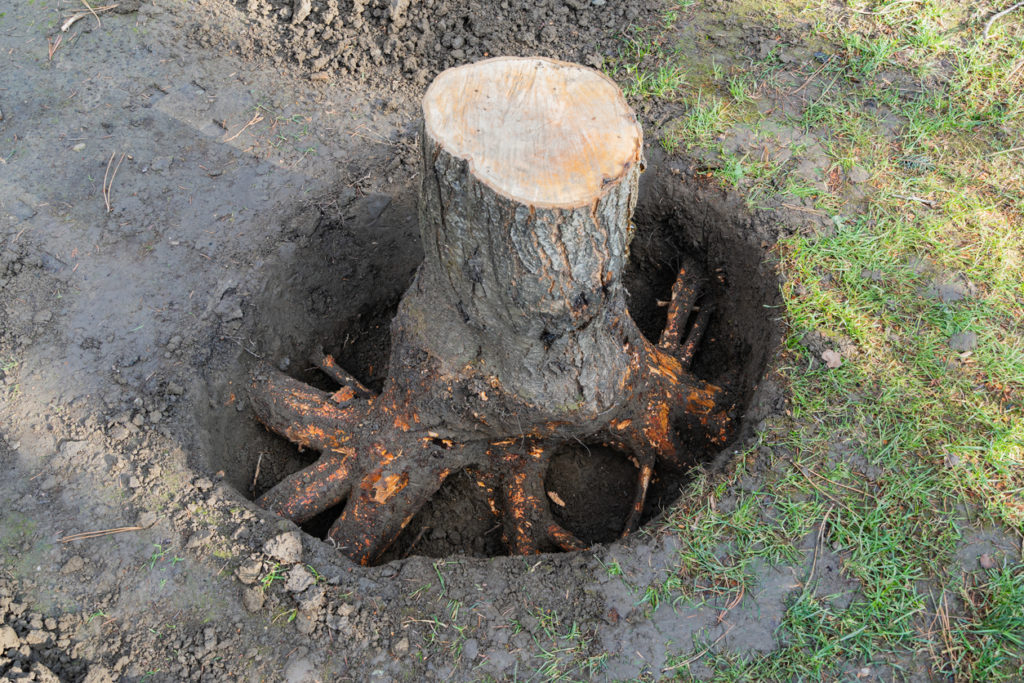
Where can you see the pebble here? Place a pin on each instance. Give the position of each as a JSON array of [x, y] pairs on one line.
[[79, 147], [42, 317], [401, 647], [987, 561]]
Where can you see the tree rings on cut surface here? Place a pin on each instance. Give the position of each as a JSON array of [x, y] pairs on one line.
[[538, 131]]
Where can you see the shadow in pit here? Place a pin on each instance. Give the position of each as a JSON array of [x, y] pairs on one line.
[[337, 288]]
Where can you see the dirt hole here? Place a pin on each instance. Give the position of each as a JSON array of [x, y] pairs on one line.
[[336, 280]]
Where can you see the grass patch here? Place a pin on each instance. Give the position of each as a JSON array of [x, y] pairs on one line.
[[917, 438]]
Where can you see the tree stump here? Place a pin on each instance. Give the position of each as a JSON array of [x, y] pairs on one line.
[[514, 336]]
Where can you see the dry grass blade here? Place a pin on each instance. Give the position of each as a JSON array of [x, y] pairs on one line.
[[256, 118], [103, 532], [52, 46], [108, 179]]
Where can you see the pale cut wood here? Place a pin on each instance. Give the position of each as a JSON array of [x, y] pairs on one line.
[[538, 131]]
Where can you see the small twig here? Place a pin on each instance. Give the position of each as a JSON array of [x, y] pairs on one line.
[[105, 532], [804, 85], [256, 118], [693, 659], [256, 474], [99, 24], [998, 15]]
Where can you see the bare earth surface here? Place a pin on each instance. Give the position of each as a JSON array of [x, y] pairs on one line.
[[193, 185]]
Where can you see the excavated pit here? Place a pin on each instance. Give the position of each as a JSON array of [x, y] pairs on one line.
[[336, 280]]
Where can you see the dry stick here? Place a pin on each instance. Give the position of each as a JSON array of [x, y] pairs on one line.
[[105, 532], [706, 650], [998, 15]]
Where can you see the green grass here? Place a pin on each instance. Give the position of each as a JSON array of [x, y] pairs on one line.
[[909, 447]]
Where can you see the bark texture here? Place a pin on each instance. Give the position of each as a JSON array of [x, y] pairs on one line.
[[512, 339]]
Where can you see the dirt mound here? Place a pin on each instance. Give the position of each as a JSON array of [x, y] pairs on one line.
[[413, 40]]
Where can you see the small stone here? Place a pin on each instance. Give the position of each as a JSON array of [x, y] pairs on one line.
[[401, 647], [832, 359], [987, 561], [299, 579], [155, 416], [79, 147], [470, 649], [175, 389], [858, 175], [963, 341], [286, 547], [139, 419], [146, 519], [249, 571], [253, 598], [42, 317]]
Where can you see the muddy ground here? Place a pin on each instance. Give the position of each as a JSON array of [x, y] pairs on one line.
[[186, 187]]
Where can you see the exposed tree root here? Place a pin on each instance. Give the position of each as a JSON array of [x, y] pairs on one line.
[[379, 459]]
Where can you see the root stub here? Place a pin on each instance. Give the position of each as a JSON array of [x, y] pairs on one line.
[[514, 337]]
